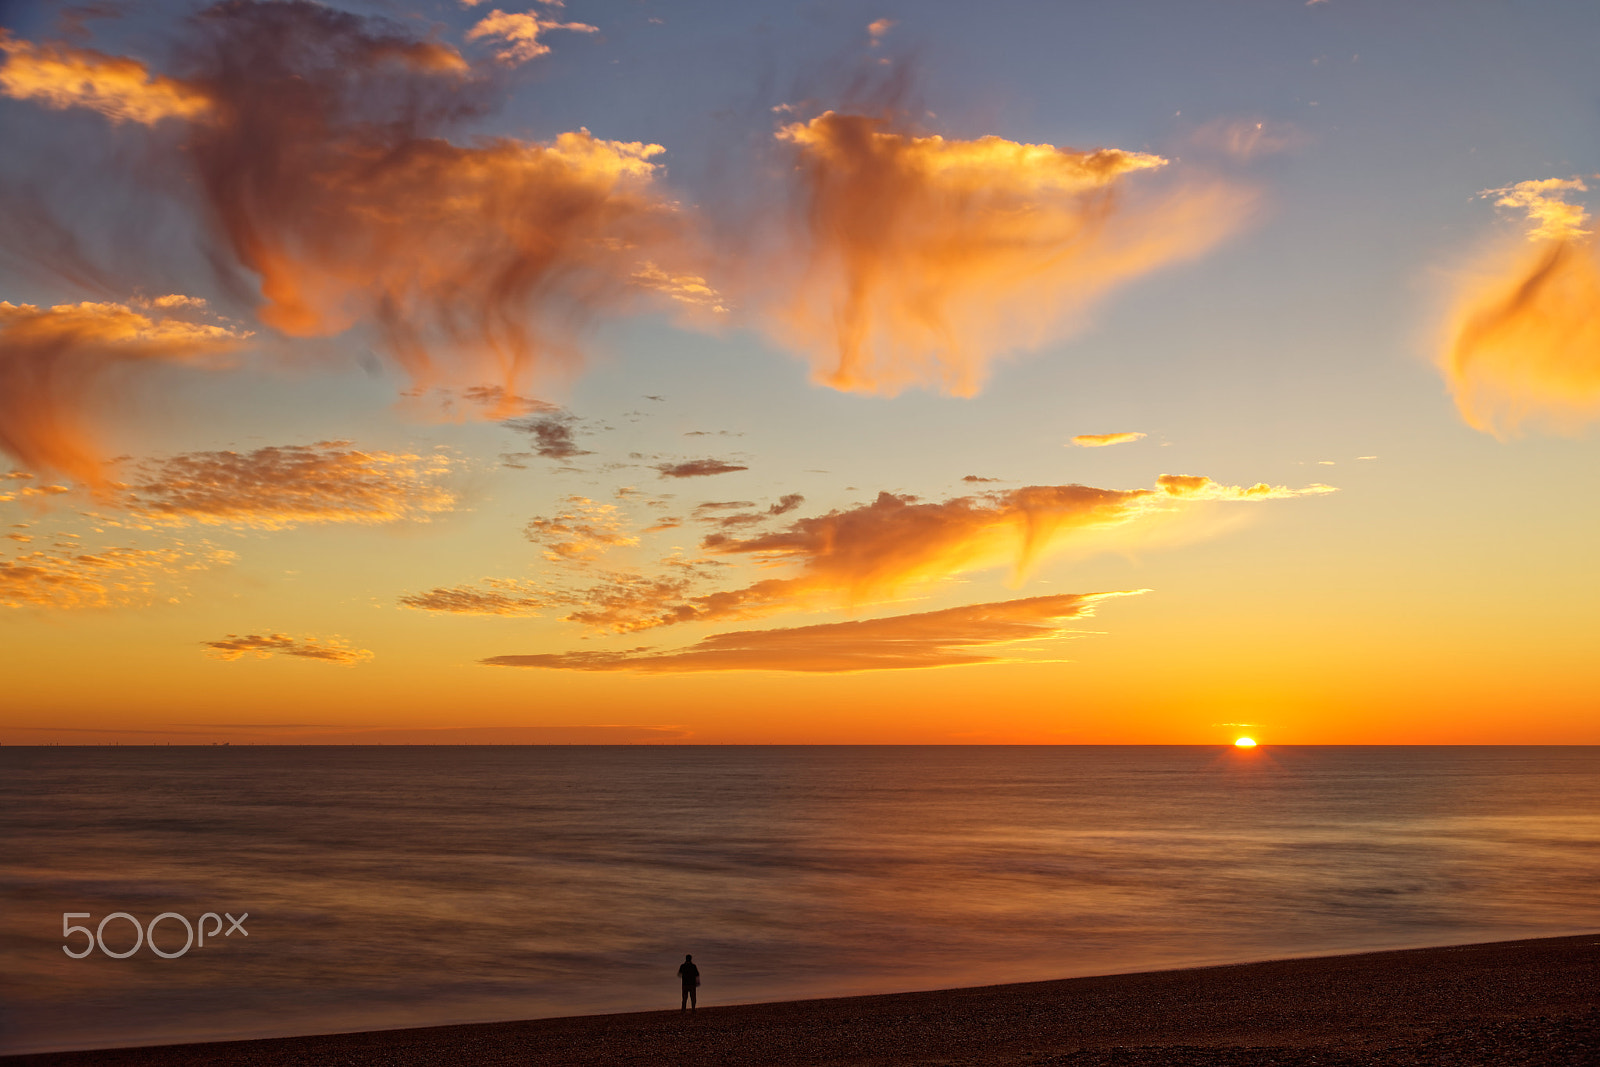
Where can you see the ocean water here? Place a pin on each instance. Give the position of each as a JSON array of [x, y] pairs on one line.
[[403, 886]]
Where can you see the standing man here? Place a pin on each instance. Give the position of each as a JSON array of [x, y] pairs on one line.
[[691, 981]]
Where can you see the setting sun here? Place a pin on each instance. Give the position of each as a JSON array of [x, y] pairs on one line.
[[1245, 742]]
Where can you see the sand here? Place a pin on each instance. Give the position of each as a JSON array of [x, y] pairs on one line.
[[1508, 1003]]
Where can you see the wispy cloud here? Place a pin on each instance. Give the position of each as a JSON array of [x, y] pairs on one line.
[[499, 403], [54, 364], [496, 596], [122, 89], [317, 154], [926, 258], [952, 637], [278, 487], [1520, 343], [582, 532], [1247, 139], [265, 646], [708, 512], [1101, 440], [68, 578], [872, 552], [1551, 217], [519, 34]]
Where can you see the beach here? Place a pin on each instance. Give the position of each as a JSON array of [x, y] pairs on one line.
[[1513, 1002]]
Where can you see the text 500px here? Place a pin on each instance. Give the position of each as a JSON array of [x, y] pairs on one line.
[[143, 935]]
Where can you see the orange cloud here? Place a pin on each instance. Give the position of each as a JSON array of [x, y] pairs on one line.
[[66, 578], [1522, 342], [122, 89], [1101, 440], [952, 637], [927, 258], [279, 487], [54, 361], [869, 553], [691, 291], [581, 533], [504, 596], [330, 179], [265, 646], [27, 491], [322, 168], [1199, 487], [519, 34]]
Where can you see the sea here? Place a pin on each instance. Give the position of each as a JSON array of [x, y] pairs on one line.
[[357, 888]]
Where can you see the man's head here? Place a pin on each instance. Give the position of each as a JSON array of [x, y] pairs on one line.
[[687, 958]]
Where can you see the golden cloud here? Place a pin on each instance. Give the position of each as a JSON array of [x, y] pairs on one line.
[[122, 89], [1199, 487], [321, 167], [1545, 202], [265, 646], [691, 291], [1101, 440], [1522, 341], [873, 552], [331, 180], [501, 596], [279, 487], [927, 258], [53, 362], [65, 577], [952, 637], [583, 532], [519, 33]]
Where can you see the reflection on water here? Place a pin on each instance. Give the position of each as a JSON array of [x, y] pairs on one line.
[[411, 886]]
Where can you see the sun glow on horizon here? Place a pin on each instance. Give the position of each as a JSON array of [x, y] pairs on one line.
[[1245, 742]]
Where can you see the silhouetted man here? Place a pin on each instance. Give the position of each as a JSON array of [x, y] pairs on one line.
[[691, 980]]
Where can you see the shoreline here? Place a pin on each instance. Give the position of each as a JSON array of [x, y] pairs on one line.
[[1531, 1001]]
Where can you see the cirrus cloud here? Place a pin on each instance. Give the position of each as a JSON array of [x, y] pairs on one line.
[[265, 646], [926, 258], [56, 361], [1522, 342], [65, 577], [497, 596], [952, 637], [871, 552], [282, 486]]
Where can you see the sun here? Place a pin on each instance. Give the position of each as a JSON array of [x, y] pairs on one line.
[[1245, 742]]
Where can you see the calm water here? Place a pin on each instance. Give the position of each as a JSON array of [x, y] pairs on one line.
[[410, 886]]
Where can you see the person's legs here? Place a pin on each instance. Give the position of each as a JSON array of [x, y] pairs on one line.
[[693, 998], [685, 1005]]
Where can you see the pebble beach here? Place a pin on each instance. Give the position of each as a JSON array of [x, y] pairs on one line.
[[1531, 1002]]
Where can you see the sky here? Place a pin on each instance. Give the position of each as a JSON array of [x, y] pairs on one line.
[[805, 373]]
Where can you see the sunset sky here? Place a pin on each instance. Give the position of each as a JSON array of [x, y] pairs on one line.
[[800, 373]]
